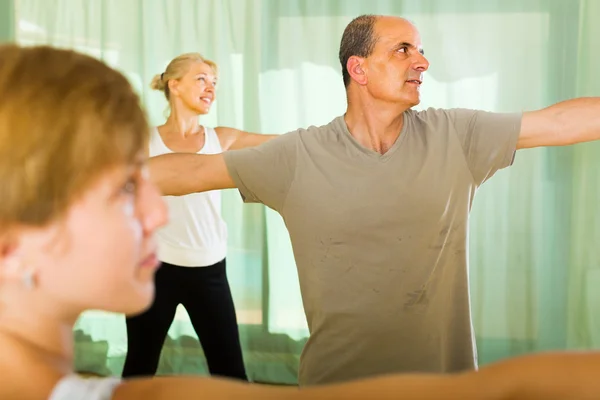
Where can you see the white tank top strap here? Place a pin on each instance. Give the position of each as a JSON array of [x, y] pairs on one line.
[[156, 144], [212, 145], [74, 387]]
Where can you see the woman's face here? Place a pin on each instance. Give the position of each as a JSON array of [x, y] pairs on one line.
[[196, 89], [102, 254]]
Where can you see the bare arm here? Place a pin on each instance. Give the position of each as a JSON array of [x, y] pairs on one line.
[[178, 174], [539, 377], [568, 122], [414, 388], [232, 139], [549, 376]]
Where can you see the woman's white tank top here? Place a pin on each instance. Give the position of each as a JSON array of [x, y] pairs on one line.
[[196, 235], [74, 387]]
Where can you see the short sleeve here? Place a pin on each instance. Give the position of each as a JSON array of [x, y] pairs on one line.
[[264, 174], [489, 140]]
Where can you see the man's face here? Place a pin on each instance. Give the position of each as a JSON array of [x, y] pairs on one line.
[[395, 69]]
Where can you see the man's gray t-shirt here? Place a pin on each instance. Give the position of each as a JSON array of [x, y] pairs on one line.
[[380, 241]]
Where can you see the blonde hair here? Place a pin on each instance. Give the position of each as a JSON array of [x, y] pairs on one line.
[[176, 69], [64, 119]]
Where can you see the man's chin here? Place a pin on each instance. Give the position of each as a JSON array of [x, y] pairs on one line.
[[412, 103], [415, 101]]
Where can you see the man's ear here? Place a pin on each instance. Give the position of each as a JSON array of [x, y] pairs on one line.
[[356, 70]]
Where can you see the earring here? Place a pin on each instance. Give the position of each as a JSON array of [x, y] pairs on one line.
[[28, 279]]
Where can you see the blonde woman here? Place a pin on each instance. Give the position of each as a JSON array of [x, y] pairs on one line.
[[192, 246]]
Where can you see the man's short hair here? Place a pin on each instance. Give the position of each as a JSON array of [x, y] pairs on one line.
[[359, 39]]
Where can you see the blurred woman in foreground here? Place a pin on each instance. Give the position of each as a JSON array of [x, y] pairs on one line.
[[77, 220]]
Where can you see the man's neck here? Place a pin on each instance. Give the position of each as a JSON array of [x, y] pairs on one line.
[[375, 126]]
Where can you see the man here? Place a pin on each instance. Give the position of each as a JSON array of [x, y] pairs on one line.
[[377, 204]]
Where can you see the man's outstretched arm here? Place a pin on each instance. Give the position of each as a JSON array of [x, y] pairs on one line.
[[234, 139], [568, 122], [178, 174]]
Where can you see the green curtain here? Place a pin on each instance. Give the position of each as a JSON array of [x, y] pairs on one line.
[[534, 264], [583, 305], [7, 15]]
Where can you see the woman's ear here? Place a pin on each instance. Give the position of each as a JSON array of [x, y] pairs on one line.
[[13, 267], [10, 260], [173, 86]]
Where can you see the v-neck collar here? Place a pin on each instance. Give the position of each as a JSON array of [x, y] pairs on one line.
[[341, 124]]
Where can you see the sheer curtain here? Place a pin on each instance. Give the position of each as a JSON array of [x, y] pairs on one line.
[[534, 264]]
